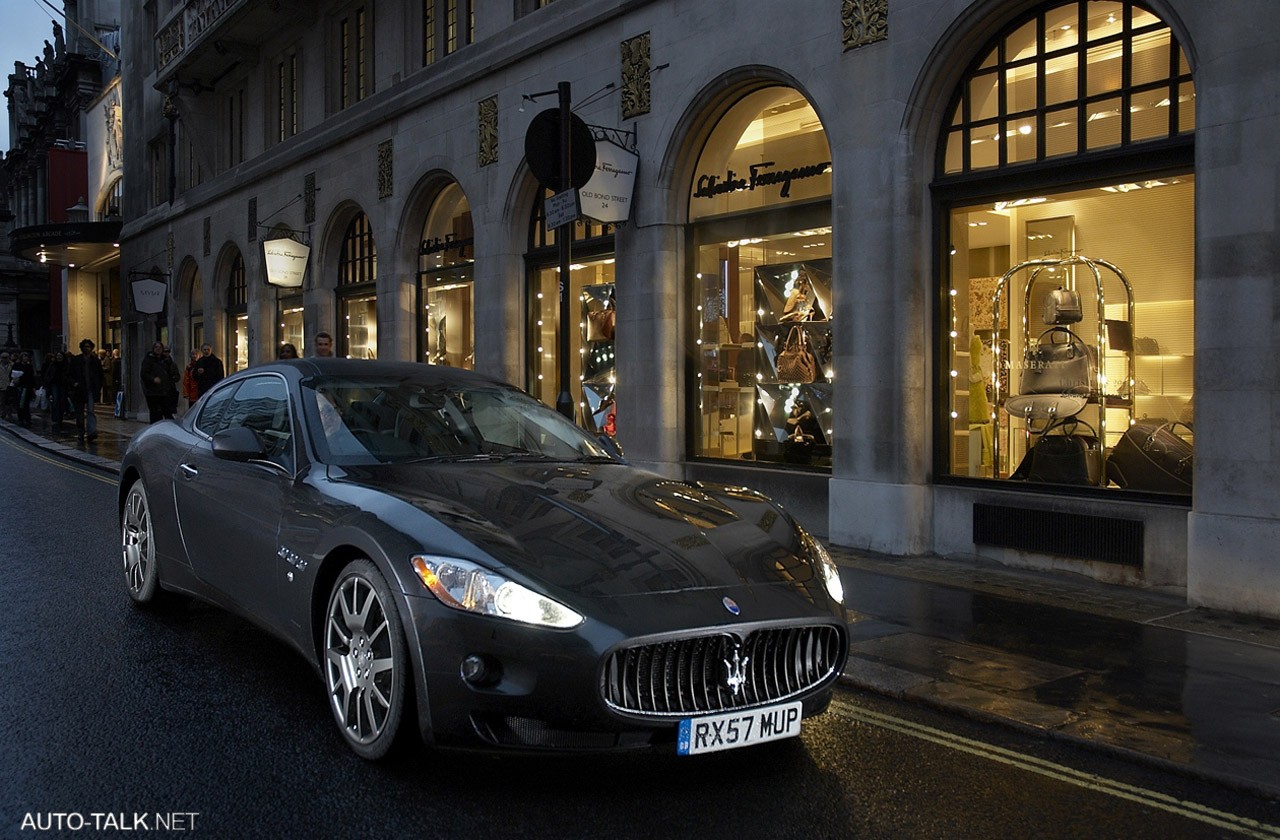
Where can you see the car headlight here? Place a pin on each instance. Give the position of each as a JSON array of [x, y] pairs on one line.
[[827, 567], [470, 587]]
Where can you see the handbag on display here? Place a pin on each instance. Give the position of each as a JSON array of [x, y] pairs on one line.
[[1145, 346], [1062, 306], [1062, 455], [796, 362], [1059, 367], [1151, 456], [600, 324]]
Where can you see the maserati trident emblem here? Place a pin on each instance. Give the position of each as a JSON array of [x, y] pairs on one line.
[[731, 605], [736, 676]]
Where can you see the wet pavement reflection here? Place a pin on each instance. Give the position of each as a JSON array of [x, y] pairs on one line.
[[1105, 672]]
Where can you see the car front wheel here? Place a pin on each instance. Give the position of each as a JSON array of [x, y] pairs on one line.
[[366, 667], [137, 538]]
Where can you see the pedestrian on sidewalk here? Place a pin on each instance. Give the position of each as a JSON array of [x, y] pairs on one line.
[[6, 370], [83, 383], [160, 383], [52, 375], [210, 371], [189, 388], [177, 381], [25, 383], [108, 382], [287, 351]]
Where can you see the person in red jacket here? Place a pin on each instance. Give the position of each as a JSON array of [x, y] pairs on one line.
[[189, 389]]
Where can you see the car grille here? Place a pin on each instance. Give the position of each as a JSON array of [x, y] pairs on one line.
[[721, 672]]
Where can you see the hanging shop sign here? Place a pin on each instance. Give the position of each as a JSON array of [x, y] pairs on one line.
[[148, 295], [607, 196], [759, 175], [286, 262]]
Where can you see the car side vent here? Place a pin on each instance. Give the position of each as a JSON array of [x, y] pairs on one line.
[[1077, 535]]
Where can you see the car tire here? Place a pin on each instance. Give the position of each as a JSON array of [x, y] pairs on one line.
[[138, 547], [366, 667]]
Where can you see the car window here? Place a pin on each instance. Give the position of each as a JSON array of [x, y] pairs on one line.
[[261, 403], [210, 418], [359, 420]]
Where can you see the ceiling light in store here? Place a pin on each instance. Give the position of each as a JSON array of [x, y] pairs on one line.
[[1145, 185], [1017, 202]]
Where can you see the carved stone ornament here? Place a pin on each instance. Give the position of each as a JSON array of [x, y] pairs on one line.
[[864, 22], [253, 219], [208, 236], [636, 67], [386, 169], [487, 130], [168, 251]]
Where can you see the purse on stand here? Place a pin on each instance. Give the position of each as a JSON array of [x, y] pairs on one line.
[[796, 362]]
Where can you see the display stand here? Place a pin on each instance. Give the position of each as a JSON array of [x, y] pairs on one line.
[[1099, 343]]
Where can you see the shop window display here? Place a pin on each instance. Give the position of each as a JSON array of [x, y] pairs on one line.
[[1069, 312], [762, 285], [446, 280], [360, 315], [592, 365], [290, 320], [593, 302], [1135, 329]]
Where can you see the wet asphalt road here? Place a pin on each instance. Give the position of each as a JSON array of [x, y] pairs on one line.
[[188, 714]]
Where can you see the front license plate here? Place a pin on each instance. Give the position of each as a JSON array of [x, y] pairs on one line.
[[738, 729]]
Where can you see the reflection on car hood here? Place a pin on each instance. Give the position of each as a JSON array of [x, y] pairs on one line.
[[602, 530]]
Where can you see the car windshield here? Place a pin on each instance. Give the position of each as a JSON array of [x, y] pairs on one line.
[[359, 420]]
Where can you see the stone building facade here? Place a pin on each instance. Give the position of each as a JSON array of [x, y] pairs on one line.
[[828, 285]]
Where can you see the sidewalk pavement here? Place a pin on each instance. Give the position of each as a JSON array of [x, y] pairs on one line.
[[1127, 671]]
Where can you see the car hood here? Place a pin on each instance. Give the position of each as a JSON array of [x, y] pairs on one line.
[[603, 530]]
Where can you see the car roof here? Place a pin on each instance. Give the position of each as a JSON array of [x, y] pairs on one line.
[[364, 368]]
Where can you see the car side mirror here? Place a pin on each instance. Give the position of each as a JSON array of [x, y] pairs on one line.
[[238, 444]]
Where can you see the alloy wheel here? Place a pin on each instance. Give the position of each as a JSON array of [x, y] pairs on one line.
[[364, 660], [137, 540]]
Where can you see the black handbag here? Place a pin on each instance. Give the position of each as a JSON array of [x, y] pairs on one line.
[[1151, 456], [1062, 455], [1059, 367]]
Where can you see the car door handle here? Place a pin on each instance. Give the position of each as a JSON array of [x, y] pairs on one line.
[[191, 471]]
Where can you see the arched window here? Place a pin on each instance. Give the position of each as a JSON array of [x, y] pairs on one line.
[[357, 291], [111, 208], [446, 280], [761, 288], [1066, 169], [593, 382], [237, 316], [1073, 78]]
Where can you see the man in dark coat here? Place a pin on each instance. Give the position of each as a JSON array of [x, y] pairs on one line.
[[209, 371], [82, 384], [160, 383]]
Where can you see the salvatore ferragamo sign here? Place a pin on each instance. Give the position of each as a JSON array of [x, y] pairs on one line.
[[758, 175]]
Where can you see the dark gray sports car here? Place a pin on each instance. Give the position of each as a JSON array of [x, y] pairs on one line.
[[455, 557]]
